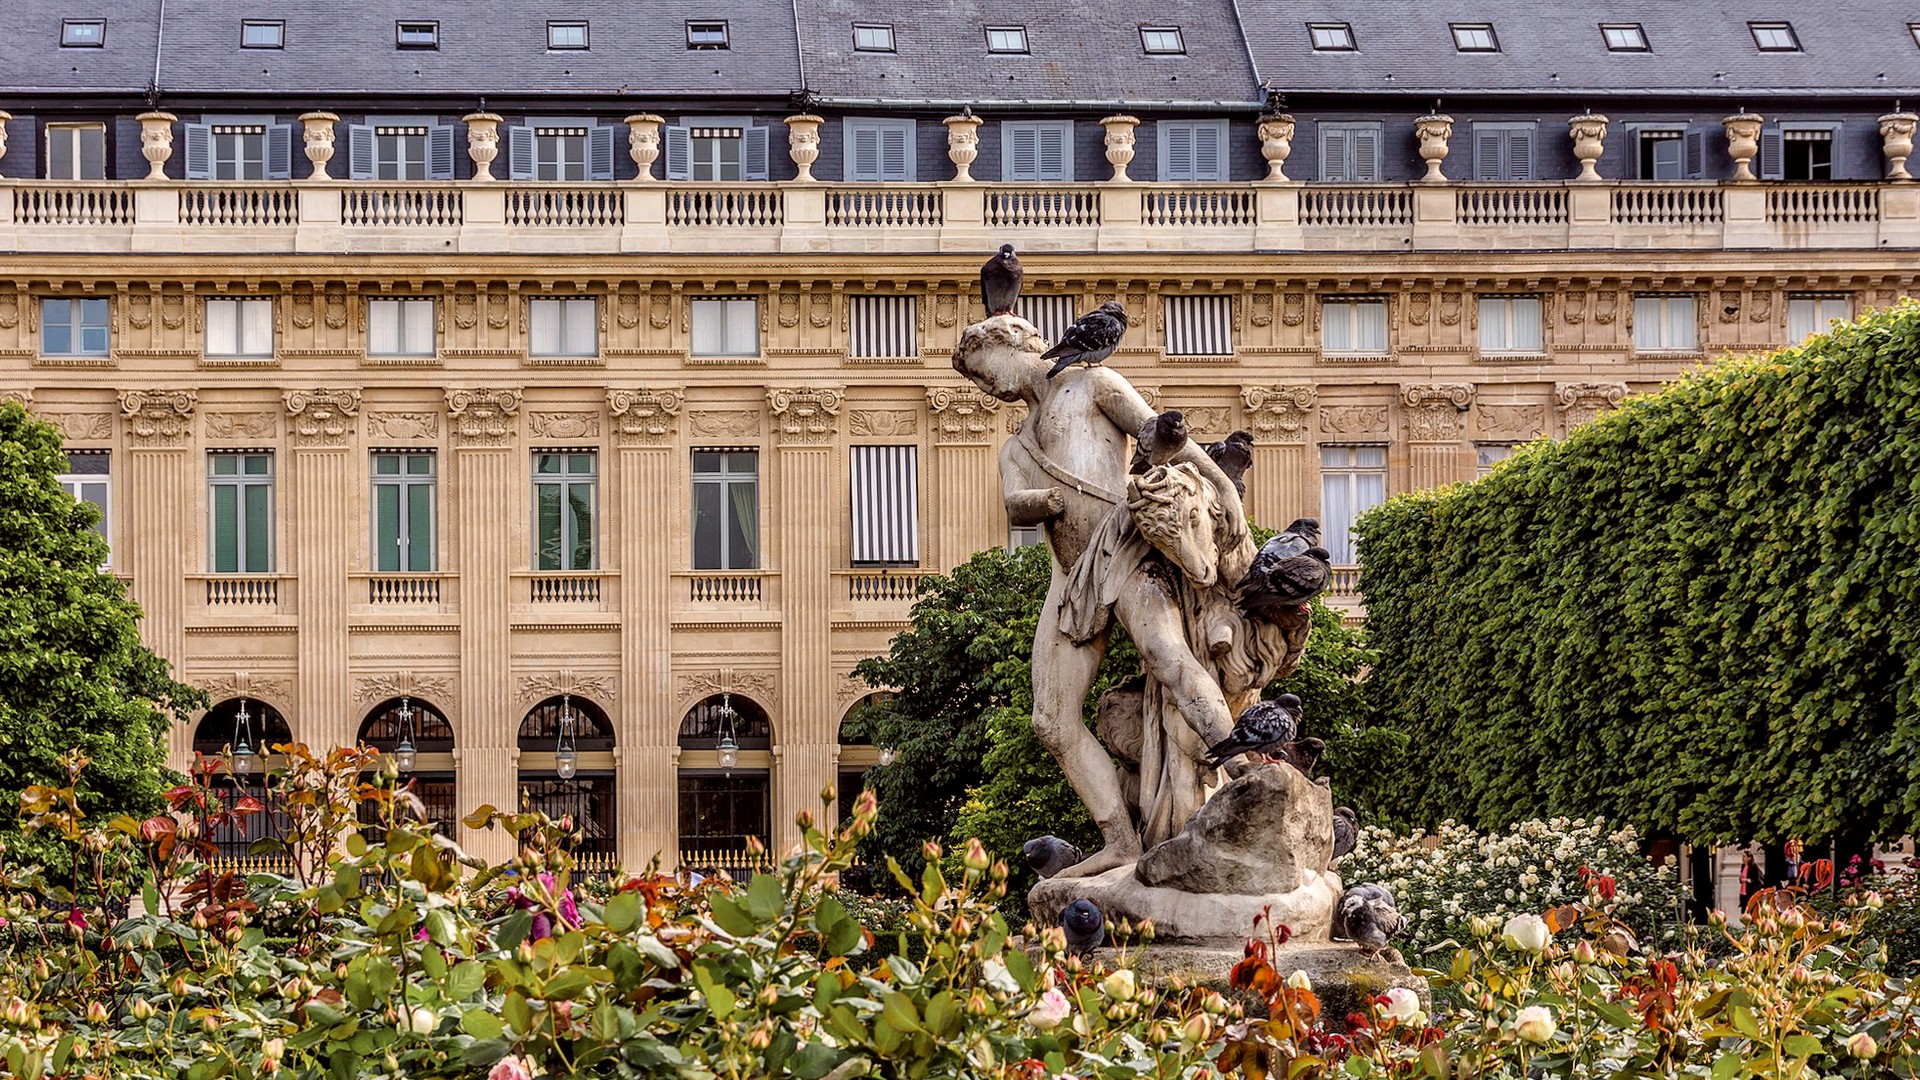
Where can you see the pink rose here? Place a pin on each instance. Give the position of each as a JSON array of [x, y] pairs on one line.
[[510, 1068]]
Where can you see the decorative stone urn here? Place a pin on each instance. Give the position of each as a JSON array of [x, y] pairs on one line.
[[1743, 142], [483, 142], [1589, 131], [1896, 135], [643, 143], [1434, 130], [803, 143], [1276, 143], [963, 143], [4, 117], [156, 141], [1120, 144], [317, 130]]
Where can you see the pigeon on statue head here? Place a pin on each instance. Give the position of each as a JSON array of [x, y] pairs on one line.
[[1000, 282], [1091, 339]]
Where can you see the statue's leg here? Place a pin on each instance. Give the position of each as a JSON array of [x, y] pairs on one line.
[[1062, 674], [1152, 616]]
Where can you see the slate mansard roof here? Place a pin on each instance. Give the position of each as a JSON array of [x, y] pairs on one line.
[[32, 61]]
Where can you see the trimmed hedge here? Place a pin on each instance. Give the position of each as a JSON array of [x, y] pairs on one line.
[[1696, 614]]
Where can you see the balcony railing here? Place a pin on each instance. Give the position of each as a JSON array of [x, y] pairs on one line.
[[571, 207], [403, 589], [404, 206], [239, 204], [588, 588], [882, 586], [1345, 584], [94, 203], [254, 593], [885, 207], [707, 588]]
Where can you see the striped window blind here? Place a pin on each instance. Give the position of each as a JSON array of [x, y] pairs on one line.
[[886, 505], [1199, 325], [882, 327], [1051, 315]]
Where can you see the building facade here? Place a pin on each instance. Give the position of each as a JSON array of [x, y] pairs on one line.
[[564, 393]]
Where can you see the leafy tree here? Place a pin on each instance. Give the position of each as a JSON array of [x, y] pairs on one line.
[[73, 673], [1363, 759], [1694, 614]]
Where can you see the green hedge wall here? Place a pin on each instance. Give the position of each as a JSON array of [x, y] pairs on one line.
[[1697, 613]]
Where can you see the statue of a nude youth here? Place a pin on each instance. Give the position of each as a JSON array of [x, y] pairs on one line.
[[1067, 471]]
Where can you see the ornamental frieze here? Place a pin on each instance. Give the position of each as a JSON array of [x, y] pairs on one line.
[[1278, 413], [807, 416], [1436, 412], [961, 414], [1582, 401]]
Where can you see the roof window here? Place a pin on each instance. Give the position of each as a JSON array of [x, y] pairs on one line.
[[1006, 39], [567, 34], [1331, 36], [1774, 36], [1624, 37], [1474, 37], [83, 33], [416, 34], [707, 34], [873, 37], [262, 34], [1914, 29], [1162, 40]]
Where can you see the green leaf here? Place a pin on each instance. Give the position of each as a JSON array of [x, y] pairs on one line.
[[519, 1013], [1726, 1066], [729, 916], [1744, 1022], [623, 912], [465, 980], [765, 901], [512, 931], [1801, 1046], [440, 926], [720, 1000], [943, 1015], [898, 1010], [813, 1060], [481, 1024]]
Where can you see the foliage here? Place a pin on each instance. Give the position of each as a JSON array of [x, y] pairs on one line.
[[1693, 614], [404, 957], [1364, 760], [73, 672], [1895, 925]]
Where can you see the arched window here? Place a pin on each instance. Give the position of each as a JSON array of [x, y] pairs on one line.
[[723, 805], [566, 771], [264, 726], [223, 729], [858, 754], [708, 720], [431, 772]]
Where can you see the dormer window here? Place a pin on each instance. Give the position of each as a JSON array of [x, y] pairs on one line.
[[1774, 36], [1331, 37], [1006, 39], [83, 33], [262, 34], [1474, 37], [873, 37], [710, 34], [567, 35], [1162, 40], [416, 35], [1624, 37]]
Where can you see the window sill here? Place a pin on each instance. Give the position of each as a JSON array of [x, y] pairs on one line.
[[73, 360], [1356, 358]]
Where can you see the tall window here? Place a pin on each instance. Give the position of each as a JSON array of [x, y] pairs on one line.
[[1350, 153], [76, 151], [560, 149], [1503, 152], [239, 152], [727, 326], [400, 327], [882, 327], [878, 150], [86, 479], [1802, 153], [1672, 153], [400, 153], [1511, 324], [1199, 325], [563, 327], [1664, 324], [886, 505], [1353, 480], [716, 148], [73, 327], [1036, 150], [1193, 150], [239, 148], [1487, 455], [241, 327], [240, 509], [1810, 315], [400, 148], [563, 511], [716, 152], [726, 510], [1353, 326], [403, 512]]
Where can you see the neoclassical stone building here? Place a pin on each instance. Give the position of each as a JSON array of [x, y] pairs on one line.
[[564, 394]]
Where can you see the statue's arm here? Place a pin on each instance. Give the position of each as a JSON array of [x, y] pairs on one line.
[[1027, 504], [1123, 405]]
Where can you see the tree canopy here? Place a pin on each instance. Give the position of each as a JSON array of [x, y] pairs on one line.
[[1695, 614]]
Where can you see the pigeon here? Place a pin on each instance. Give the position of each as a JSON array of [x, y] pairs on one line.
[[1346, 830], [1000, 282], [1303, 754], [1091, 339], [1234, 455], [1048, 855], [1086, 928], [1263, 727], [1366, 916], [1160, 438], [1290, 569]]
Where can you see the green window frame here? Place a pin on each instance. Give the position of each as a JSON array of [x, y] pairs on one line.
[[405, 521], [240, 512], [565, 505], [726, 509]]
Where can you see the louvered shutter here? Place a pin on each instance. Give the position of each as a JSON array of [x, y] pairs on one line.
[[600, 153], [882, 327], [896, 158], [886, 510], [360, 152], [1696, 154], [679, 153], [1176, 151], [440, 153], [1334, 163], [753, 153], [863, 152], [1209, 158], [1054, 158], [279, 139], [1021, 152], [1366, 155], [1519, 154], [1488, 144], [1199, 325], [199, 138], [520, 153], [1772, 163]]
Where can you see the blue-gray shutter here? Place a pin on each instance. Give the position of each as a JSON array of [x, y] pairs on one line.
[[199, 138], [520, 153], [1366, 155], [679, 153], [440, 153], [279, 151], [360, 152], [1694, 164], [753, 153], [1519, 164], [896, 151], [1176, 150], [861, 150], [1772, 162], [1209, 150], [1019, 151], [1334, 164], [1488, 153], [600, 153]]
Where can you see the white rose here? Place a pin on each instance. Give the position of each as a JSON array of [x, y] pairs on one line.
[[1299, 980], [1050, 1010], [998, 978], [1534, 1024], [1402, 1004], [1526, 933], [419, 1020]]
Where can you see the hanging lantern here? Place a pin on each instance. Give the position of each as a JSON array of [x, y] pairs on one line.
[[729, 750], [887, 754], [244, 758], [566, 755], [405, 755]]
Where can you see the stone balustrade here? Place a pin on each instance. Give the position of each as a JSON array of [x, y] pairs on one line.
[[169, 216]]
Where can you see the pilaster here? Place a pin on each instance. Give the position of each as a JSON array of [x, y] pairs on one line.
[[158, 497], [1435, 419], [321, 483], [1280, 484], [1580, 402], [966, 489]]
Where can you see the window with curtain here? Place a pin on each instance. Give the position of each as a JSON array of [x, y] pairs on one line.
[[239, 148], [886, 505], [1664, 324], [1051, 315], [726, 509], [728, 326], [240, 512], [564, 506], [403, 512], [1810, 315], [1353, 480], [1511, 324], [86, 479], [76, 152], [400, 327], [563, 327], [240, 327], [1353, 326]]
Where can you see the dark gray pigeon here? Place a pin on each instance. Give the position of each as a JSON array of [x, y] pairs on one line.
[[1091, 339], [1290, 569], [1366, 916], [1303, 754], [1160, 438], [1346, 830], [1000, 282], [1086, 928], [1263, 727], [1234, 455], [1048, 855]]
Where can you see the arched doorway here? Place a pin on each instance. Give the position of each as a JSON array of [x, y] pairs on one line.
[[858, 754], [223, 732], [420, 739], [566, 770], [726, 782]]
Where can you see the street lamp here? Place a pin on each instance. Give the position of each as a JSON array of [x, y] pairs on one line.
[[244, 759], [566, 756], [404, 752], [887, 754], [728, 748]]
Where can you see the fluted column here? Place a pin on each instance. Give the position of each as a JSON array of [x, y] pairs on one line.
[[1281, 483], [1435, 419], [482, 493], [156, 497], [807, 520], [964, 478], [321, 487], [647, 729]]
